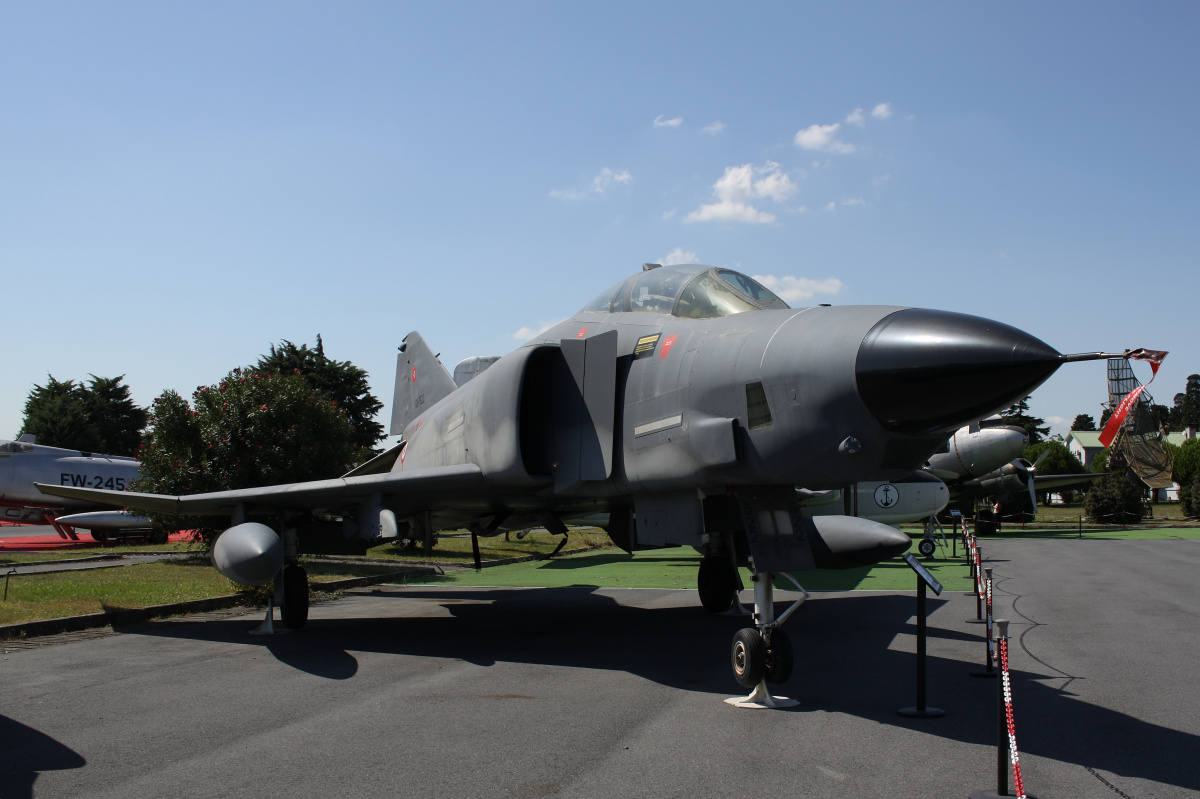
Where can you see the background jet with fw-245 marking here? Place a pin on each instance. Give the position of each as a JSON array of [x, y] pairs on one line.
[[686, 403]]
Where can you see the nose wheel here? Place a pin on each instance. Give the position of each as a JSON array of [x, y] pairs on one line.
[[762, 655]]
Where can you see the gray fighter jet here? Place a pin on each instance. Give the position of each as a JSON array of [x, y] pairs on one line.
[[23, 463], [686, 403]]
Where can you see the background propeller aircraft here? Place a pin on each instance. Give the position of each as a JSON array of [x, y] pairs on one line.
[[984, 460], [686, 403]]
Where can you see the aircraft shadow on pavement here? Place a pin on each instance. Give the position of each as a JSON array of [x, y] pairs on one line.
[[843, 663], [25, 753]]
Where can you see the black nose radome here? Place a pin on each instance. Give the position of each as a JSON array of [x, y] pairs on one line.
[[922, 372]]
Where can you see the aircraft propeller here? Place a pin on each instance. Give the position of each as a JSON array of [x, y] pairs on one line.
[[1029, 471]]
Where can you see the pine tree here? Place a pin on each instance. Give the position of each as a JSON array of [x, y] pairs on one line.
[[1186, 410], [1018, 416], [1083, 422], [99, 417], [340, 381]]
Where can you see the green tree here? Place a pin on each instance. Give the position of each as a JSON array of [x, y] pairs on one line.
[[1058, 460], [251, 429], [1018, 415], [1189, 497], [1187, 461], [1114, 500], [341, 381], [1186, 410], [97, 417], [1084, 422]]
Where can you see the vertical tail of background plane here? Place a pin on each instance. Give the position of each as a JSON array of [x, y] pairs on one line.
[[421, 380]]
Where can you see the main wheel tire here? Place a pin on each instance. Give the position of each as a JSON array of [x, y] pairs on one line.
[[294, 610], [779, 658], [926, 547], [749, 657], [715, 583], [99, 536]]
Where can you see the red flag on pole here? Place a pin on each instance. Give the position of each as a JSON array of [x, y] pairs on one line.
[[1155, 359]]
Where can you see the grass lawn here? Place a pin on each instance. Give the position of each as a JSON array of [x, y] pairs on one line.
[[457, 550], [91, 552], [74, 593]]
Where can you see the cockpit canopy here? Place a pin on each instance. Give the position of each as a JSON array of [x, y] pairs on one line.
[[691, 291]]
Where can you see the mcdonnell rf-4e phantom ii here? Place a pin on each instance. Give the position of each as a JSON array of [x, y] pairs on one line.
[[687, 403]]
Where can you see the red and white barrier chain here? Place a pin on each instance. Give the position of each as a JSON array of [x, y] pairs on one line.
[[990, 640], [1018, 783], [978, 572]]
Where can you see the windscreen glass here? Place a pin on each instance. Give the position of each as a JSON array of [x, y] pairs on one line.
[[609, 301], [706, 297], [752, 289]]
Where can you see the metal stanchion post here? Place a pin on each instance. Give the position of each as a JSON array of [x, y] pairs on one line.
[[1006, 736], [978, 560], [921, 711], [988, 670]]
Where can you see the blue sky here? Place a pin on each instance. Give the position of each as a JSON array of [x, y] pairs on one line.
[[182, 185]]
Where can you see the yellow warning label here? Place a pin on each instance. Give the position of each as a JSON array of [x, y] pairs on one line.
[[645, 345]]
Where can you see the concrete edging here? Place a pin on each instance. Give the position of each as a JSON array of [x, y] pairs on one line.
[[66, 624]]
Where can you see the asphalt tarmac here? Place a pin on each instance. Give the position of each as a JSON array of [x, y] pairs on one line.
[[457, 692]]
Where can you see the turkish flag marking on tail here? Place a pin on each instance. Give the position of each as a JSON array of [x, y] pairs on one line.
[[1155, 359]]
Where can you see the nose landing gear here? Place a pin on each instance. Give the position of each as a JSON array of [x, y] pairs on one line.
[[762, 655]]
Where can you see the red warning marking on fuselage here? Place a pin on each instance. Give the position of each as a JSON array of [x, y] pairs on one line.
[[665, 347], [582, 332], [414, 374]]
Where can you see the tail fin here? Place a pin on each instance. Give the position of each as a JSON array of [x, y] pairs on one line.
[[421, 380]]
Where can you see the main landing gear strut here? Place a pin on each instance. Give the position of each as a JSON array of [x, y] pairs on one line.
[[291, 596], [762, 654]]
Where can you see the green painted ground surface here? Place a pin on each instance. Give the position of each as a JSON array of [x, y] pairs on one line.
[[1110, 533], [676, 568]]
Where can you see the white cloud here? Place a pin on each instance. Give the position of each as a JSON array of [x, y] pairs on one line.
[[668, 215], [794, 289], [854, 201], [729, 211], [600, 184], [823, 139], [738, 186], [856, 117], [713, 128], [882, 111], [673, 122], [526, 333], [679, 256], [831, 206]]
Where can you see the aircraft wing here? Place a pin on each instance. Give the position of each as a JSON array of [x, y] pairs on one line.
[[1049, 481], [423, 485]]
